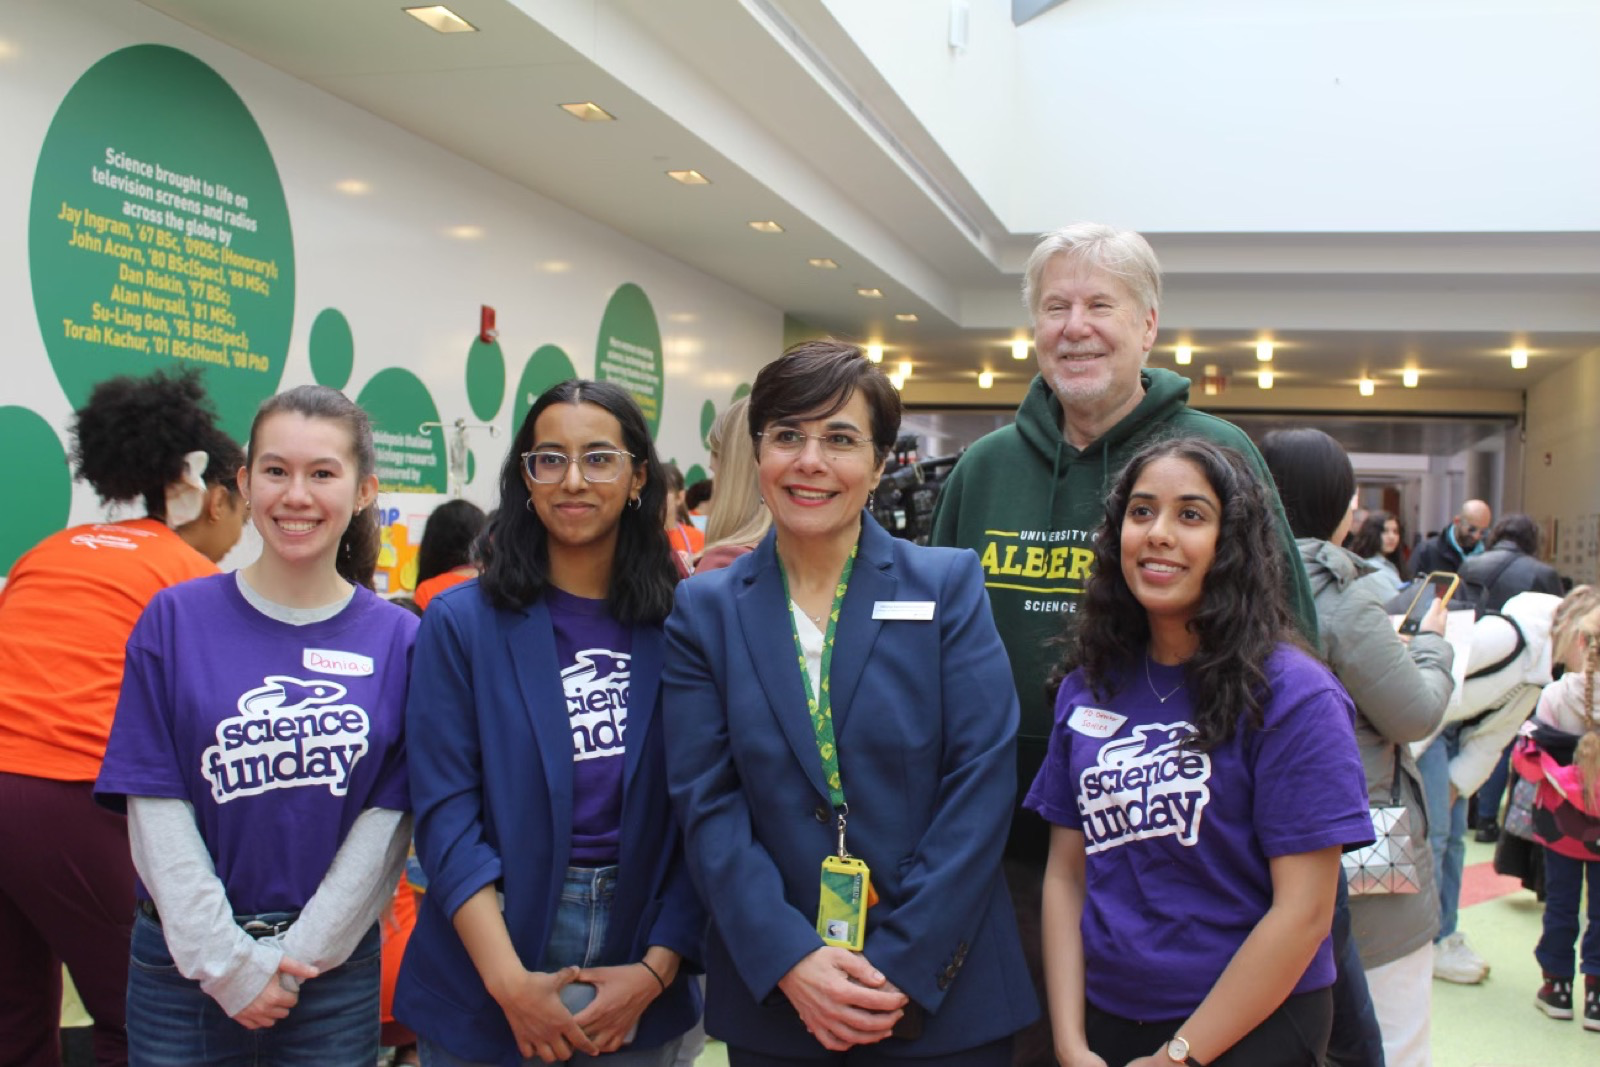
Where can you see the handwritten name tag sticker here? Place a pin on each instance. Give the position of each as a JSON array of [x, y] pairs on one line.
[[1095, 722]]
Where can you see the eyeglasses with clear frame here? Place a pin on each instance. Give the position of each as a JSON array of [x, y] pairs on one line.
[[836, 444], [600, 465]]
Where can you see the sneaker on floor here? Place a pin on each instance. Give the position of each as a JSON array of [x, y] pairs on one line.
[[1555, 998], [1591, 1002], [1454, 961], [1488, 833]]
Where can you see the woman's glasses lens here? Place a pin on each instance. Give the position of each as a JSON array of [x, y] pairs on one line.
[[599, 466]]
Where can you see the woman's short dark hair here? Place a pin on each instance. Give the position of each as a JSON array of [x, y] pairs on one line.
[[1314, 478], [357, 560], [1243, 614], [447, 538], [698, 493], [129, 439], [814, 379], [1518, 529], [518, 565]]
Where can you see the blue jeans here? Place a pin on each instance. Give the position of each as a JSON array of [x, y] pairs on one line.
[[577, 936], [173, 1023], [1355, 1039], [1447, 824], [1563, 887]]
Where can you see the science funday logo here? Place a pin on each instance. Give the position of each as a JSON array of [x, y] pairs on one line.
[[1144, 787], [596, 686], [289, 732]]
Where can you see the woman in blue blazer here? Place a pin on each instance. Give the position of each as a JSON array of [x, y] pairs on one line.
[[559, 913], [841, 691]]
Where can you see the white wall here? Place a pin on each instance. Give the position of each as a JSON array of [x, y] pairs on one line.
[[1561, 472], [410, 293], [1260, 115]]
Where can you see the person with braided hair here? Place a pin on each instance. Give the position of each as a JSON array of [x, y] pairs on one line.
[[65, 615], [1560, 751]]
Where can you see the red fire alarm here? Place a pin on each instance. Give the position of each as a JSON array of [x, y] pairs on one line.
[[486, 330]]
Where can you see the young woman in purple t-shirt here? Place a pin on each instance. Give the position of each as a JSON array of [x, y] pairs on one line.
[[1202, 780], [257, 747], [559, 911]]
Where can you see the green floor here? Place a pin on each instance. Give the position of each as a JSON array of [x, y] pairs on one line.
[[1490, 1025], [1495, 1024]]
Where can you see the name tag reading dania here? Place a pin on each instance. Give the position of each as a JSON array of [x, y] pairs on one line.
[[913, 610]]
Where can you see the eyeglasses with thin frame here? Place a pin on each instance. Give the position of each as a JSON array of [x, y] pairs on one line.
[[836, 444], [601, 465]]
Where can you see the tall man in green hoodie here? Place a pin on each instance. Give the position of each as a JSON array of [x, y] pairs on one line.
[[1028, 497]]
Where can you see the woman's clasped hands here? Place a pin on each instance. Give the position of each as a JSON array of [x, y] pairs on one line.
[[539, 1020], [842, 998]]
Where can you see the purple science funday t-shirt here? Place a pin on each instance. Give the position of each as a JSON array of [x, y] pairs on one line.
[[1177, 841], [595, 652], [278, 735]]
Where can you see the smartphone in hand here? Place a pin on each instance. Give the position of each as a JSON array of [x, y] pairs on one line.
[[1440, 586]]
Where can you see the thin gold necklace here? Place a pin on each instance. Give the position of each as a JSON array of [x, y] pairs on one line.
[[1159, 698]]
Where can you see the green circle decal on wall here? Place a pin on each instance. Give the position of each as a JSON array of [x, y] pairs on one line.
[[628, 350], [708, 419], [486, 378], [547, 366], [37, 481], [158, 233], [410, 459], [333, 349]]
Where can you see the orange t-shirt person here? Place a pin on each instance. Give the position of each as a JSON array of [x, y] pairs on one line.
[[431, 588], [67, 609]]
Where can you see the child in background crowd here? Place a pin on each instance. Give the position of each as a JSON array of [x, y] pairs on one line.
[[257, 748], [1560, 751]]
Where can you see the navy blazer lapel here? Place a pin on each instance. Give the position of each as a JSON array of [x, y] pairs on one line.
[[644, 685], [532, 643], [871, 580], [769, 635]]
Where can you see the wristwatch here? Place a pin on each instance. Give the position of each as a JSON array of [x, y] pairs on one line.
[[1178, 1052]]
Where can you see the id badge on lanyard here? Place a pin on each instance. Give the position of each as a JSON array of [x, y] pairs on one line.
[[845, 892]]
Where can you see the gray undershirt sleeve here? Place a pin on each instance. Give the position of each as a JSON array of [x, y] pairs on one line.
[[359, 884], [196, 918]]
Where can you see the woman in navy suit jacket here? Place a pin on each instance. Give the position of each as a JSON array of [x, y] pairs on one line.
[[898, 643], [559, 912]]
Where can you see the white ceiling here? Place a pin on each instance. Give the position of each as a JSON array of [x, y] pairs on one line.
[[774, 103]]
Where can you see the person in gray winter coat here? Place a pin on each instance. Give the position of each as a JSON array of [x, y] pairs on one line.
[[1401, 691]]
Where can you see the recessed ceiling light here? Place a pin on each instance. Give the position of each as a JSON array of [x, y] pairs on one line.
[[897, 381], [1264, 351], [874, 353], [1264, 379], [8, 50], [1366, 386], [588, 111], [555, 266], [823, 264], [986, 379], [1408, 377], [905, 369], [466, 233], [1183, 355], [906, 316], [869, 292], [440, 18], [682, 316], [1019, 349], [353, 186], [765, 226], [688, 177], [1519, 358]]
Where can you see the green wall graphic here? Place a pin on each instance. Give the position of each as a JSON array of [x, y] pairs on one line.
[[409, 460], [35, 480], [547, 366], [332, 349], [486, 378], [158, 232], [628, 350]]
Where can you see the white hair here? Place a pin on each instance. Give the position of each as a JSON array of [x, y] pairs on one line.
[[1121, 253]]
